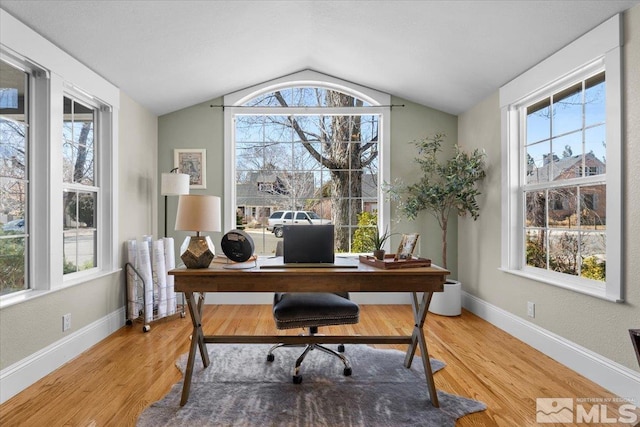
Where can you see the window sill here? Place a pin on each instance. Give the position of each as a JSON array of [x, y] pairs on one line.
[[28, 295], [22, 296], [597, 292]]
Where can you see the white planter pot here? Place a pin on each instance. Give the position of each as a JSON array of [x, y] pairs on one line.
[[449, 302]]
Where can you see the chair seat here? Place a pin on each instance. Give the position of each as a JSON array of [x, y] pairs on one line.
[[302, 310]]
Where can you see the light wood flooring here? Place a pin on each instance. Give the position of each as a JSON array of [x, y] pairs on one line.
[[114, 381]]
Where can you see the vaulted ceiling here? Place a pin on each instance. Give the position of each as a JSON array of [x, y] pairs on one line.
[[448, 55]]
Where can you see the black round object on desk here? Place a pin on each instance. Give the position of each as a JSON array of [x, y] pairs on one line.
[[237, 245]]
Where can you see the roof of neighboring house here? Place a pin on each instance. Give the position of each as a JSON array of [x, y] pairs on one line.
[[249, 194], [552, 170]]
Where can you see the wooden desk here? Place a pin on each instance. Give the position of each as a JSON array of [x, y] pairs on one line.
[[362, 279]]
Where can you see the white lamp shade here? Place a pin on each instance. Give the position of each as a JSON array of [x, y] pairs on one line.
[[174, 184], [198, 213]]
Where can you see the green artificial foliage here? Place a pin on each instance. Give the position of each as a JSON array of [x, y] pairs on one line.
[[378, 239], [445, 186]]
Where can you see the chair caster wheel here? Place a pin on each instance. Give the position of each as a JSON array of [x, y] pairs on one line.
[[297, 379], [347, 372], [146, 328], [270, 357], [341, 348]]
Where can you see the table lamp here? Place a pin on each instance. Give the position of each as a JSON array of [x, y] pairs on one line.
[[173, 184], [198, 213]]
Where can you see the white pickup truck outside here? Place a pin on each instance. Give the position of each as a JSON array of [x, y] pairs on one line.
[[280, 218]]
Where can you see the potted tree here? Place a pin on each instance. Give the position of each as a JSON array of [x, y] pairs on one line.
[[445, 186]]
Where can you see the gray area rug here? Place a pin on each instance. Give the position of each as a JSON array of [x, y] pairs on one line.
[[240, 388]]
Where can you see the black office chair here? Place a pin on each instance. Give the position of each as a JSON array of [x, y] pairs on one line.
[[312, 310]]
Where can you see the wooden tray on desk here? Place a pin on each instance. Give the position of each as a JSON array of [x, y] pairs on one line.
[[390, 262]]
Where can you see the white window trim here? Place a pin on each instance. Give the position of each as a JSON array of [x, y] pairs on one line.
[[102, 122], [600, 46], [380, 104], [57, 73]]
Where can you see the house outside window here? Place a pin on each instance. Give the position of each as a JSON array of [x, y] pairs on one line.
[[571, 238], [306, 142], [588, 171], [265, 187], [562, 167]]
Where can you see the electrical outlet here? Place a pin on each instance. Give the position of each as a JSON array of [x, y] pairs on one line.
[[66, 322], [531, 309]]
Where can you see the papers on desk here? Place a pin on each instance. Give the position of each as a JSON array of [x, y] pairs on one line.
[[222, 259]]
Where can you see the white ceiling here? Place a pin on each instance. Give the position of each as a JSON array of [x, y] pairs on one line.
[[448, 55]]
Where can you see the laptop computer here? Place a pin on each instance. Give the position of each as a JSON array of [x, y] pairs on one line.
[[308, 246], [308, 243]]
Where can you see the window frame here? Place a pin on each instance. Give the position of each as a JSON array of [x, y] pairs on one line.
[[233, 103], [598, 49], [54, 74], [31, 72], [77, 188]]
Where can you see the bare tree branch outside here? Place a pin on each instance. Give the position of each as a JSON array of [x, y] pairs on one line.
[[316, 162]]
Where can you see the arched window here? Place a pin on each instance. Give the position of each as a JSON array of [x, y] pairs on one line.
[[307, 144]]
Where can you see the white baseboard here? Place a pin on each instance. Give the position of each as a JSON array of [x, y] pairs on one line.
[[22, 374], [618, 379]]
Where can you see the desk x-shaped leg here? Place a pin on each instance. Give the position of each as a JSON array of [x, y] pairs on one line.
[[197, 339], [418, 339]]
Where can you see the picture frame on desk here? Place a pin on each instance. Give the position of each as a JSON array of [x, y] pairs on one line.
[[407, 246], [193, 162]]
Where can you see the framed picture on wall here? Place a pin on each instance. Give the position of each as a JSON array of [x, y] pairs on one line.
[[193, 162]]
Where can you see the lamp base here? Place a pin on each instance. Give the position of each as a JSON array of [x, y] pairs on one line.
[[197, 251]]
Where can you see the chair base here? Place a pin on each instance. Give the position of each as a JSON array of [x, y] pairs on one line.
[[297, 378]]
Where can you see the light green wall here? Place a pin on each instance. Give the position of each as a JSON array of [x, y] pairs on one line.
[[409, 123], [202, 126], [31, 326], [598, 325], [198, 126]]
